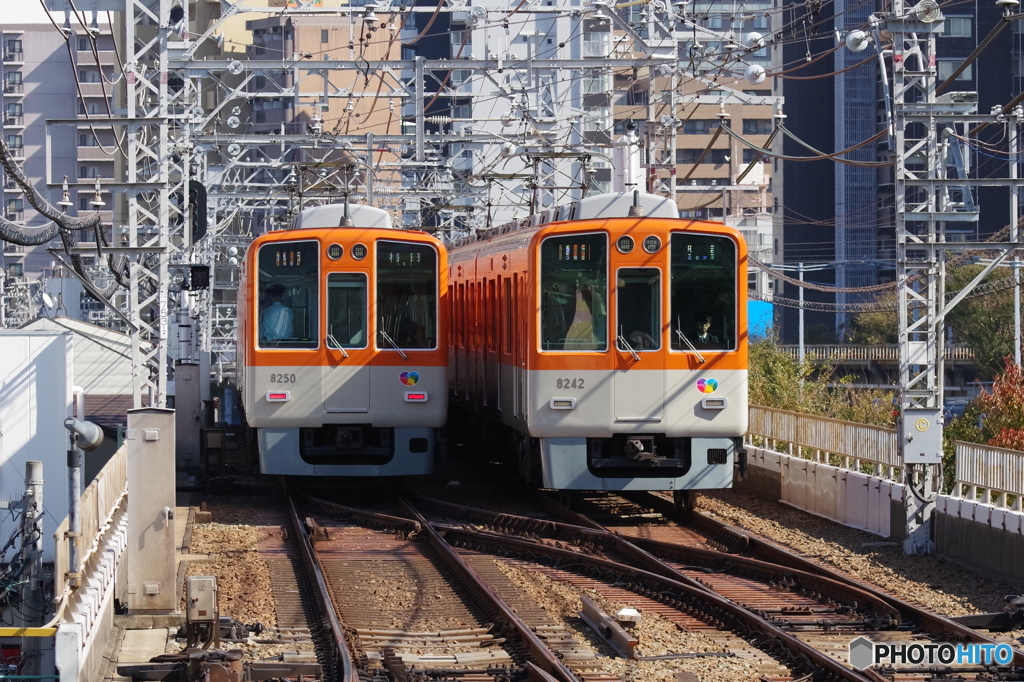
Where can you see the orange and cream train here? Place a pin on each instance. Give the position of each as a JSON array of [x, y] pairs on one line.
[[610, 350], [343, 345]]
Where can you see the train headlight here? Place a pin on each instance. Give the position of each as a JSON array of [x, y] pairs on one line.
[[624, 244], [334, 251], [652, 244], [359, 251]]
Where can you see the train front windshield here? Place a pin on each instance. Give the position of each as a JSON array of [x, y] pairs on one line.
[[406, 296], [703, 295], [573, 280], [288, 295]]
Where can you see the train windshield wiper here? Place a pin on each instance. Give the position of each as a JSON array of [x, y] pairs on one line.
[[622, 340], [393, 344], [700, 358], [331, 339]]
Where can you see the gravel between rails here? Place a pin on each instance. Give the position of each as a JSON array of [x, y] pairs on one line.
[[930, 581], [657, 636]]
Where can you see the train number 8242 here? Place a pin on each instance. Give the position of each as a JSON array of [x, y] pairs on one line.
[[282, 378], [570, 383]]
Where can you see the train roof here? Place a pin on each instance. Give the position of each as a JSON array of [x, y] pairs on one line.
[[610, 205], [332, 215]]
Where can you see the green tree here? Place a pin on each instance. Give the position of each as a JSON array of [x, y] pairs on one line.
[[984, 323], [777, 379]]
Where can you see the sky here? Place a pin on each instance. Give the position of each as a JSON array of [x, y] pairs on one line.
[[24, 12]]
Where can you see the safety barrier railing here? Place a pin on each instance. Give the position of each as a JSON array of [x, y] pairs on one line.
[[100, 501], [989, 474], [858, 447], [841, 353]]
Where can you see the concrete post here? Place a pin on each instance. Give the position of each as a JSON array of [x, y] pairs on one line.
[[150, 559]]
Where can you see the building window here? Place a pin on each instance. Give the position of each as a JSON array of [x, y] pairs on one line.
[[687, 156], [948, 66], [15, 141], [83, 44], [757, 126], [749, 155], [717, 156], [94, 108], [83, 203], [15, 205], [700, 126], [957, 27], [14, 109], [86, 140], [13, 77], [323, 35]]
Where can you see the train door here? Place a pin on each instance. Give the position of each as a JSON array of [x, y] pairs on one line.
[[639, 381], [523, 317], [491, 345], [346, 382], [460, 332]]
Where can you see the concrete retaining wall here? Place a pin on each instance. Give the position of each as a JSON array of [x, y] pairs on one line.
[[88, 629], [989, 539], [986, 538]]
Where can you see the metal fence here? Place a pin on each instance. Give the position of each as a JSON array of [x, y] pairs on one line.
[[989, 474], [865, 353], [100, 500], [858, 447], [982, 472]]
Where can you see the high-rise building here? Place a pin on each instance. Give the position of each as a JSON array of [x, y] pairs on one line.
[[843, 213]]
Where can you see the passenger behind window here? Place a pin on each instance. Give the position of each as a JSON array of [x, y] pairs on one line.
[[276, 319]]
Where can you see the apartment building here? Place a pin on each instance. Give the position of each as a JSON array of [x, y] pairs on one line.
[[42, 82]]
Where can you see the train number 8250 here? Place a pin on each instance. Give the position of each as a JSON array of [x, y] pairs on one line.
[[570, 383], [282, 378]]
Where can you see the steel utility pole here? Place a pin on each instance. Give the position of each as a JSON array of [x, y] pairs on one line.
[[933, 189], [33, 603]]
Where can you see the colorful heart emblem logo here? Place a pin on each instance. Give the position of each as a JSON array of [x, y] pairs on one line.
[[707, 385], [409, 378]]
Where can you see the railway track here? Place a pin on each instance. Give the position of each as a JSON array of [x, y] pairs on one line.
[[458, 568], [653, 523]]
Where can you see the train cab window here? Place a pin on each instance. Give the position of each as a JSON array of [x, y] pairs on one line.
[[346, 310], [574, 283], [638, 308], [406, 295], [289, 295], [703, 292]]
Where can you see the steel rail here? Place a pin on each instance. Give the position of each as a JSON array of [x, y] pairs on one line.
[[646, 554], [545, 659], [346, 668], [926, 620], [715, 608]]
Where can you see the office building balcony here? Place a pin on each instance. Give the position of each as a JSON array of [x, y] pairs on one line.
[[14, 88], [14, 57], [14, 121], [15, 216]]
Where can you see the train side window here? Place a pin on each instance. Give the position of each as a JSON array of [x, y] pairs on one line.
[[574, 283], [289, 295], [638, 308], [703, 292], [346, 310], [406, 295]]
